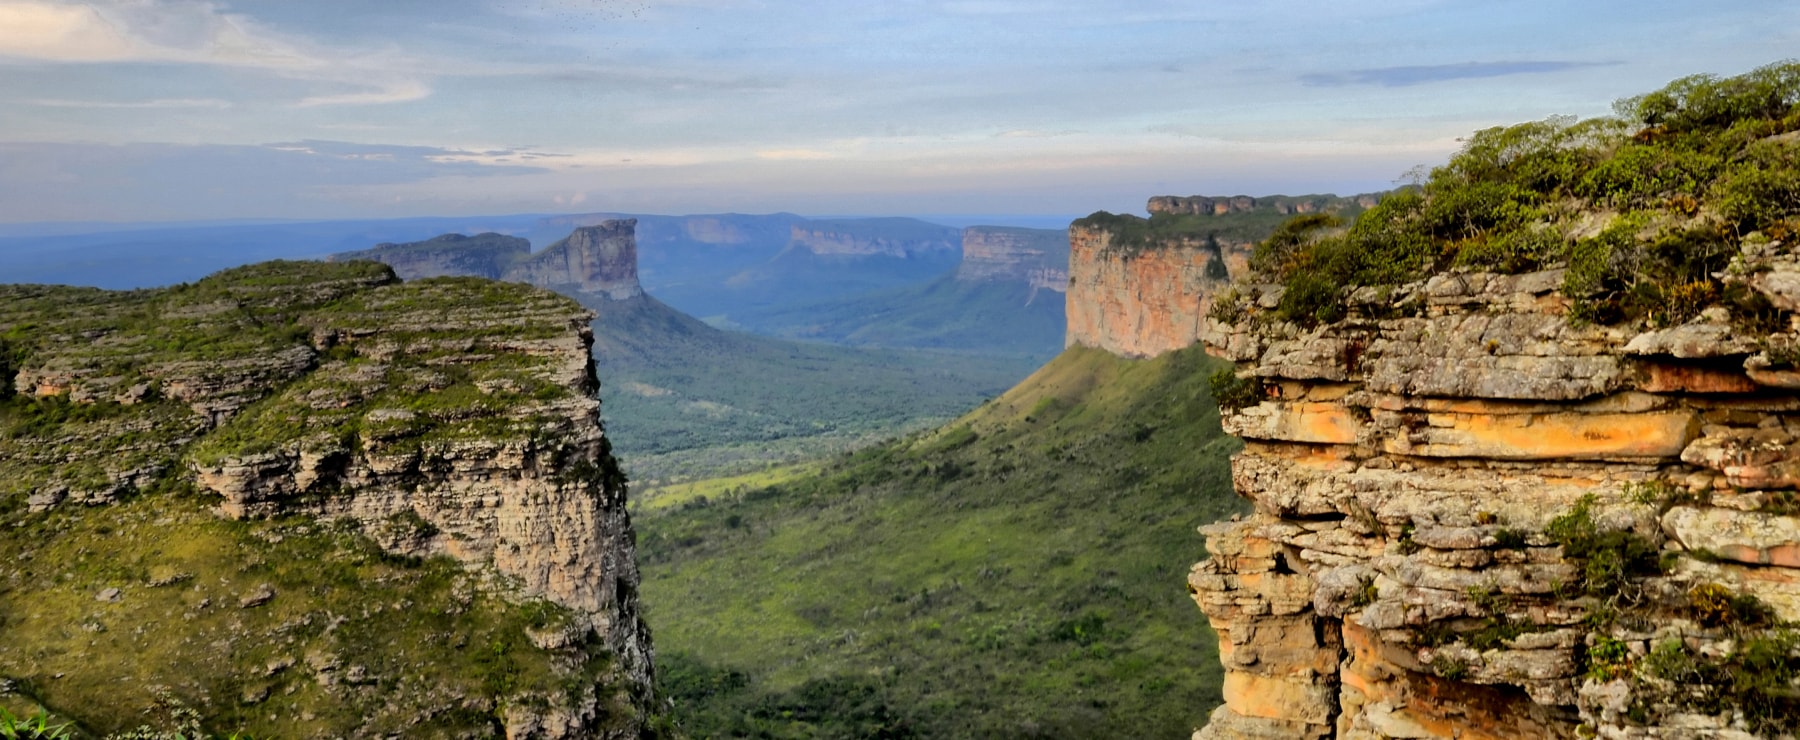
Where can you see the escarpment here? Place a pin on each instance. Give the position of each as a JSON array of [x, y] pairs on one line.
[[597, 261], [447, 420], [1001, 253], [902, 238], [1140, 287], [1525, 473]]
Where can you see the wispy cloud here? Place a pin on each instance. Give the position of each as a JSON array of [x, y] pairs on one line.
[[399, 92], [1425, 74], [199, 33]]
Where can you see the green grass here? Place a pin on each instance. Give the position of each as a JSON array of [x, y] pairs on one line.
[[683, 400], [1017, 573], [992, 318], [177, 630]]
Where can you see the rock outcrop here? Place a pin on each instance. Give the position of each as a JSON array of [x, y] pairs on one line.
[[597, 261], [1143, 302], [1037, 257], [1476, 518], [447, 417]]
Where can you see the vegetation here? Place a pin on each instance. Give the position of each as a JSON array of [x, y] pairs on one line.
[[685, 402], [1132, 235], [151, 617], [1676, 178], [1009, 319], [1012, 574]]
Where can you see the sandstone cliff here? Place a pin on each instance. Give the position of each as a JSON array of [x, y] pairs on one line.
[[446, 417], [866, 237], [1524, 466], [483, 255], [1283, 204], [598, 260], [1143, 302], [1036, 257]]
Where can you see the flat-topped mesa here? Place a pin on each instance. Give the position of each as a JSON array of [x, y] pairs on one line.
[[599, 260], [595, 261], [901, 238], [483, 255], [1039, 257], [1478, 518]]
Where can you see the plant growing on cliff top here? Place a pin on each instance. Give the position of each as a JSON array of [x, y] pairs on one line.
[[1700, 161], [31, 727]]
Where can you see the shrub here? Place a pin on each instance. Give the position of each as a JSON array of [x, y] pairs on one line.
[[1232, 392]]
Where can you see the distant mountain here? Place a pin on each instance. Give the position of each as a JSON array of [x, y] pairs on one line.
[[1005, 297], [683, 397]]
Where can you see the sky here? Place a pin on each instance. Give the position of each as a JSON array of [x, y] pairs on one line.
[[160, 110]]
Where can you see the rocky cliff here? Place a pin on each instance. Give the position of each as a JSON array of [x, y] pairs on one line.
[[598, 260], [449, 420], [1524, 467], [483, 255], [866, 237], [1145, 301], [1037, 257]]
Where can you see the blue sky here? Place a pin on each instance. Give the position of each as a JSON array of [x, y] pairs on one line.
[[188, 109]]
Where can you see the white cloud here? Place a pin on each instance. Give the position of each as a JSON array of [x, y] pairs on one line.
[[399, 92]]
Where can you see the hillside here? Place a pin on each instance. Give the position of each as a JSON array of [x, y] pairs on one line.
[[687, 401], [302, 499], [989, 317], [1011, 574]]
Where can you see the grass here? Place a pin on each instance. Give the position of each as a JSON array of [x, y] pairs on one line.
[[1016, 573], [683, 400], [342, 609]]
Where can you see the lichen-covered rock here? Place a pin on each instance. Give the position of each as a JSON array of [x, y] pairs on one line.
[[1479, 519]]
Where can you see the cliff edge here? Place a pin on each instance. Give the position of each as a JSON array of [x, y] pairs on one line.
[[1522, 443], [410, 466], [598, 261]]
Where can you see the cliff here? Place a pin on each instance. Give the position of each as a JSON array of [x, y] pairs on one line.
[[1146, 301], [598, 260], [483, 255], [1036, 257], [1522, 467], [368, 436], [902, 238]]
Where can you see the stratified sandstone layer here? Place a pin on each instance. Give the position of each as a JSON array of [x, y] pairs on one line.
[[1144, 302], [1283, 204], [886, 237], [1424, 473], [1038, 257]]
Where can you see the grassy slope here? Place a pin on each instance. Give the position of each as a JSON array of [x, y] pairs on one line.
[[988, 317], [683, 398], [1017, 573]]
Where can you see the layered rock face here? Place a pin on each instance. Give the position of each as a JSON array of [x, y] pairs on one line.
[[483, 255], [884, 237], [1143, 302], [1475, 518], [598, 260], [1039, 257], [453, 417]]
